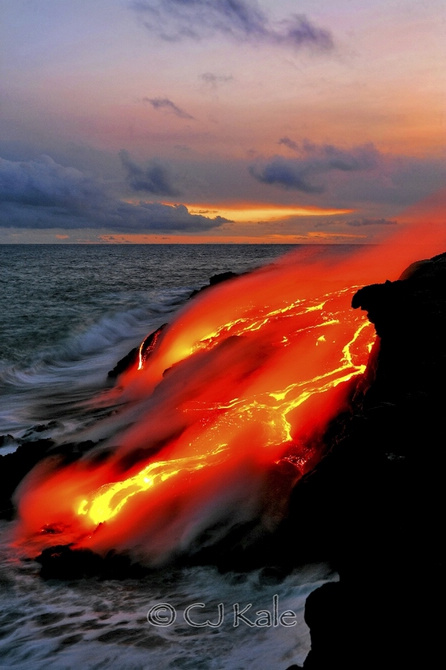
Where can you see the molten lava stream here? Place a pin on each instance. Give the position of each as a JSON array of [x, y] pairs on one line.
[[253, 376]]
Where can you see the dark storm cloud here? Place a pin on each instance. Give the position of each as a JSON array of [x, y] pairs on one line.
[[41, 193], [289, 175], [153, 178], [44, 183], [304, 172], [240, 20], [165, 103]]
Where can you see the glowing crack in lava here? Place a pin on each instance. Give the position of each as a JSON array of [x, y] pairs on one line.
[[240, 385], [265, 409]]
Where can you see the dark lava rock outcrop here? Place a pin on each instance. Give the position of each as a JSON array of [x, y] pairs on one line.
[[147, 346], [375, 505]]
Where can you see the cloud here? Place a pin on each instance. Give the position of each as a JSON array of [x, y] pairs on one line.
[[41, 193], [43, 183], [360, 222], [304, 172], [238, 20], [291, 144], [165, 103], [153, 178], [357, 223], [284, 173], [213, 80]]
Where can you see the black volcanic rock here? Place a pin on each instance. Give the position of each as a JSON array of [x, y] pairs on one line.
[[146, 347], [64, 562], [13, 467], [214, 280], [375, 505], [124, 363], [143, 351], [30, 451]]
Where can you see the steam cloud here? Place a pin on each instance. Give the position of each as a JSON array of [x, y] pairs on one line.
[[244, 380], [243, 375]]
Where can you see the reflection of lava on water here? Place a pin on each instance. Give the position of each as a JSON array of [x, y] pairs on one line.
[[243, 381]]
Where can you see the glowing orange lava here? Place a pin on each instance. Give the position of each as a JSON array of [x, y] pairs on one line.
[[267, 402], [246, 377]]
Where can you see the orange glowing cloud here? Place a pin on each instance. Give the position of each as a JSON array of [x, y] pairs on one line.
[[264, 212]]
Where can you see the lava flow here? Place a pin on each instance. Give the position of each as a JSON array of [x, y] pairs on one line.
[[243, 381]]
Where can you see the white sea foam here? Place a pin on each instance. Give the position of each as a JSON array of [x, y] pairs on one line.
[[94, 624], [57, 384], [62, 343]]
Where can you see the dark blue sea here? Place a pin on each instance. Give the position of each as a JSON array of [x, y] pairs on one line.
[[68, 313]]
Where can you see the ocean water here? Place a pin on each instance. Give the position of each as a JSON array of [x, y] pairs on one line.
[[113, 624], [67, 315]]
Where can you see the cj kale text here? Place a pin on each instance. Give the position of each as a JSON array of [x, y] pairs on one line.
[[199, 615]]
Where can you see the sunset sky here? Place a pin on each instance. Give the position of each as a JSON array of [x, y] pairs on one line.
[[219, 120]]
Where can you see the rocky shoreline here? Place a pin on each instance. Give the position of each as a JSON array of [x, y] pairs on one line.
[[373, 507]]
